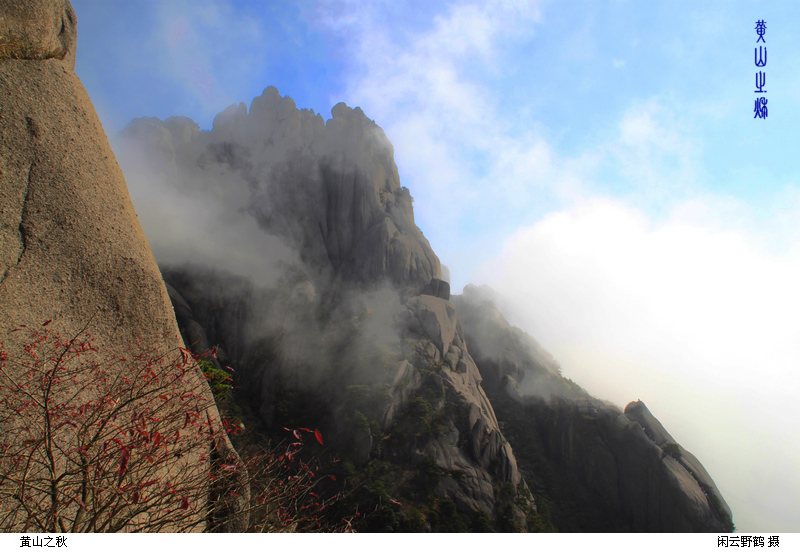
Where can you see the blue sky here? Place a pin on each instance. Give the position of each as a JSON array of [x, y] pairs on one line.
[[598, 163]]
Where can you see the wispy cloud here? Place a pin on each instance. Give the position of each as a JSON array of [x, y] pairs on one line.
[[209, 48], [654, 151], [427, 88], [641, 279]]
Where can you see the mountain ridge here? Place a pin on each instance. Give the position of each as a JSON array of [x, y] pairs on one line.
[[331, 192]]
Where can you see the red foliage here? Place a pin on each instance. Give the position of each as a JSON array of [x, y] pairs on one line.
[[88, 442], [289, 493], [126, 445]]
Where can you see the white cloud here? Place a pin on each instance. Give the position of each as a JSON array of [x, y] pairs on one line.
[[427, 89], [693, 313], [697, 320], [655, 151], [207, 47]]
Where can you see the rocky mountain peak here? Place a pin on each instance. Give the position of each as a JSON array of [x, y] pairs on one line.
[[365, 336], [351, 219]]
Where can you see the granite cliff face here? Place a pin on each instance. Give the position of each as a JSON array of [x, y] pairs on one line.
[[71, 248], [436, 400], [361, 311], [398, 405], [329, 189], [38, 30]]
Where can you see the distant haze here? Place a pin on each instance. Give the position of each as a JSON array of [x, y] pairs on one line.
[[699, 324]]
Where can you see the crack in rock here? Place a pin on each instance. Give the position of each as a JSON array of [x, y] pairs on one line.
[[20, 229]]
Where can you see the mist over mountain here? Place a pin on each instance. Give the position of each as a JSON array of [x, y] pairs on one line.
[[622, 470], [329, 191], [288, 242]]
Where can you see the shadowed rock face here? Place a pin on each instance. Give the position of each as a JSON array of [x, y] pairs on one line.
[[218, 309], [71, 247], [332, 192], [330, 189], [475, 445], [637, 412], [613, 457], [600, 469]]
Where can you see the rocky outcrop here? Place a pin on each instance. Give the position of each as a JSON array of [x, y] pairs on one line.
[[601, 469], [38, 30], [637, 412], [332, 192], [618, 476], [433, 408], [438, 288], [472, 446], [330, 189], [71, 247]]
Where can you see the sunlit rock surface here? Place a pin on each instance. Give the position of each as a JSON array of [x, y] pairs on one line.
[[72, 250]]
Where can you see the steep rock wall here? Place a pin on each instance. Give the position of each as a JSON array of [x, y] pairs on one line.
[[222, 310], [475, 445], [331, 189], [71, 247]]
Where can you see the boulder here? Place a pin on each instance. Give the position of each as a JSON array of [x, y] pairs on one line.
[[38, 30], [438, 288], [433, 319]]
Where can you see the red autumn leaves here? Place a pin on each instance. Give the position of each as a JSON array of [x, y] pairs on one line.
[[126, 448], [99, 443], [296, 433]]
